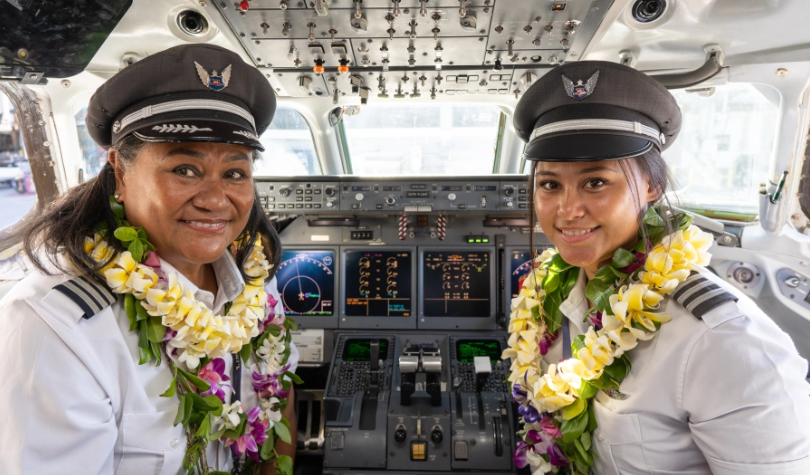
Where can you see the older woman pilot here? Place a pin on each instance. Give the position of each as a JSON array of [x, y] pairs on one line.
[[151, 338]]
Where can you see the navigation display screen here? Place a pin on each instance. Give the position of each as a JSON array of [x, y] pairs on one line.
[[306, 281], [519, 266], [378, 283], [360, 350], [456, 283], [467, 350]]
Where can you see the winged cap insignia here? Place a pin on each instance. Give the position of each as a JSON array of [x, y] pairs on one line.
[[214, 81], [580, 91]]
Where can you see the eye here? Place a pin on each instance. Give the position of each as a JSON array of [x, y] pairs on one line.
[[236, 175], [186, 171], [548, 185], [594, 183]]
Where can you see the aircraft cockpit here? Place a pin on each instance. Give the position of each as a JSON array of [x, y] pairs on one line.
[[399, 188]]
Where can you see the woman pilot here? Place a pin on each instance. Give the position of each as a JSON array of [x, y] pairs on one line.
[[629, 356], [151, 339]]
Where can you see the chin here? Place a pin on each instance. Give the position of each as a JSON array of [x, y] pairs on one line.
[[577, 257]]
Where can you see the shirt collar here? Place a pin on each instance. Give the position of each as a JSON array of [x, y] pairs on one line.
[[229, 282], [576, 305]]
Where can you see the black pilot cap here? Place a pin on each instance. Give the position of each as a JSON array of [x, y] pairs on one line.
[[189, 93], [590, 111]]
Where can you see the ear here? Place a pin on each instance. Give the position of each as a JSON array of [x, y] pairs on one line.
[[118, 168], [653, 191]]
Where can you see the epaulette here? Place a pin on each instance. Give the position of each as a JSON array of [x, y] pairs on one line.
[[88, 294], [699, 295]]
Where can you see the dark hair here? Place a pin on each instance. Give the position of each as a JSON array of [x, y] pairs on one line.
[[650, 165], [58, 235]]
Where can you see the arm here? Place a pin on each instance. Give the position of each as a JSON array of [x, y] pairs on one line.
[[747, 399], [283, 448]]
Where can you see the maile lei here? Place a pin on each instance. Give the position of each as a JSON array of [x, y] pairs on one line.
[[171, 321], [555, 406]]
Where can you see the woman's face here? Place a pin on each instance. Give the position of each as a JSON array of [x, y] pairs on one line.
[[588, 209], [193, 199]]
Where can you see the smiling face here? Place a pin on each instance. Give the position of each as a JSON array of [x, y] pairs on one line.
[[588, 209], [193, 199]]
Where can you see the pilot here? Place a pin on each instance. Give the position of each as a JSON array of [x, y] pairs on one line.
[[646, 361], [151, 339]]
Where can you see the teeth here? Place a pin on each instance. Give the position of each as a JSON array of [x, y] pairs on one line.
[[205, 225], [577, 233]]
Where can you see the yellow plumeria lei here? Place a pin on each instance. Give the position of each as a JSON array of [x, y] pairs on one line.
[[170, 319], [554, 405]]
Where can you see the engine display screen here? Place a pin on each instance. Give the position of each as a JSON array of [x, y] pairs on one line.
[[378, 283], [360, 350], [467, 350], [456, 284], [306, 281]]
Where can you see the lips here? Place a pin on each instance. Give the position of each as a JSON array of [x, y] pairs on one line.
[[572, 235], [207, 225]]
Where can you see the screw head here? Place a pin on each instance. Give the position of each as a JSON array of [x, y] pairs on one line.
[[782, 72]]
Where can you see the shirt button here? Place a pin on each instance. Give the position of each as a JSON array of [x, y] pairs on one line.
[[600, 436], [174, 443]]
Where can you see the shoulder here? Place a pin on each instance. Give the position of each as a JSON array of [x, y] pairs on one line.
[[709, 298]]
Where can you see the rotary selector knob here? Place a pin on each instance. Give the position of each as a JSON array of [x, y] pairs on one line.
[[436, 436], [451, 197], [329, 204], [510, 204], [509, 191], [329, 192], [400, 435], [390, 200], [284, 191], [359, 197]]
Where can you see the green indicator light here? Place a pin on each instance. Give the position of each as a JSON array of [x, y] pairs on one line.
[[469, 239], [477, 240], [486, 239]]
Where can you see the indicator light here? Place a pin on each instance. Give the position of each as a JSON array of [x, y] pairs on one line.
[[244, 5], [343, 67], [558, 7], [318, 68]]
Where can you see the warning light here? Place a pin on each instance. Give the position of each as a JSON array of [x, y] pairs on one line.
[[244, 5], [343, 67], [318, 68], [558, 7]]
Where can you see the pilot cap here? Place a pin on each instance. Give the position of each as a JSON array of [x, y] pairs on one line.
[[595, 110], [189, 93]]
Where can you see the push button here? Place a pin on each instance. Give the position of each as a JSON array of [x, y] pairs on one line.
[[418, 450], [336, 441], [460, 450]]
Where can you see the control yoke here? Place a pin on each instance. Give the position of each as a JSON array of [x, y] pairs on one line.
[[420, 361]]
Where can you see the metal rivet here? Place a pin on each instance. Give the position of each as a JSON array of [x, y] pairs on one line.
[[781, 72], [46, 144], [65, 83]]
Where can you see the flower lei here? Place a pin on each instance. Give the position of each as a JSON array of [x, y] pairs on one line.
[[555, 407], [168, 317]]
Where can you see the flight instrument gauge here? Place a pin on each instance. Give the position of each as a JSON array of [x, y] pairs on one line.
[[519, 267], [306, 281]]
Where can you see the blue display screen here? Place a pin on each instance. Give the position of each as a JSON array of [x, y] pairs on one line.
[[456, 284], [519, 266], [377, 284], [306, 282]]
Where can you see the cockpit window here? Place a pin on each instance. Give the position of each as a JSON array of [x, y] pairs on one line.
[[422, 139], [17, 193], [725, 147], [93, 156], [288, 147]]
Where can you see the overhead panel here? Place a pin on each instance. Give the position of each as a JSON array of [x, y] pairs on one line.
[[412, 48]]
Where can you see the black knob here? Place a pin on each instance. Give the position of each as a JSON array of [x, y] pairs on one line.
[[509, 191], [400, 435], [284, 191], [436, 436], [330, 192], [390, 200]]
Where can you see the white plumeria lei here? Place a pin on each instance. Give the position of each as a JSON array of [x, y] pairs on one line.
[[562, 391]]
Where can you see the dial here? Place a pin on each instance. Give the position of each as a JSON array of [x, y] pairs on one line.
[[306, 282]]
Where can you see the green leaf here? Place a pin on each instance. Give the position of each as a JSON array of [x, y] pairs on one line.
[[215, 401], [285, 465], [170, 392], [188, 407], [536, 313], [553, 317], [117, 208], [181, 410], [155, 329], [294, 377], [570, 280], [155, 348], [573, 410], [652, 218], [577, 344], [585, 440], [126, 234], [619, 369], [267, 450], [245, 352], [205, 426], [290, 324], [274, 330], [129, 307], [144, 350], [599, 293], [592, 423], [136, 248], [583, 452], [283, 433], [572, 429], [141, 234], [140, 311], [622, 257], [144, 355], [201, 385], [551, 282], [203, 405], [587, 390], [557, 264]]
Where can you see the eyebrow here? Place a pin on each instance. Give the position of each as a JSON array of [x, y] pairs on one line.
[[193, 153], [581, 172]]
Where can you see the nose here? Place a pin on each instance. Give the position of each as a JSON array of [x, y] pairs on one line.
[[212, 195], [571, 206]]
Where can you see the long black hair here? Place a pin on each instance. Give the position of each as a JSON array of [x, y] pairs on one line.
[[58, 236], [650, 166]]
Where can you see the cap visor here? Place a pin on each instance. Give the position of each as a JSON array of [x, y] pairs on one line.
[[189, 130], [584, 147]]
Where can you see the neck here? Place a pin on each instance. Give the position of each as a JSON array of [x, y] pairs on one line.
[[201, 275]]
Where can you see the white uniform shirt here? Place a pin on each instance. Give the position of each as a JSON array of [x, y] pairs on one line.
[[725, 394], [75, 399]]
